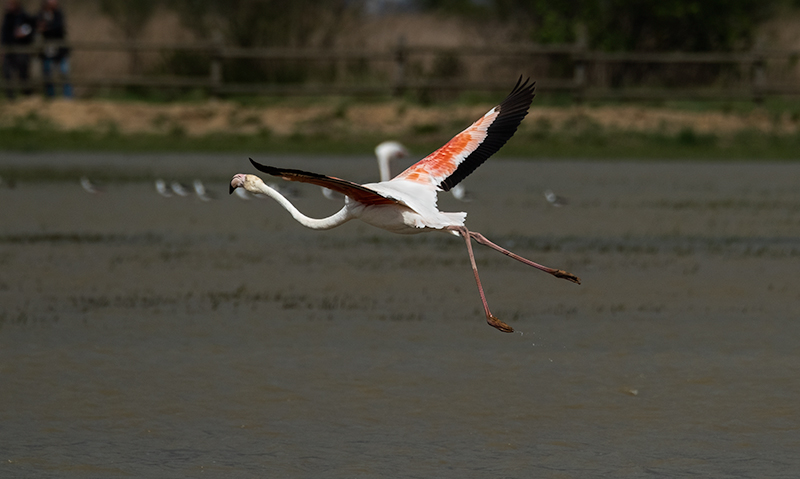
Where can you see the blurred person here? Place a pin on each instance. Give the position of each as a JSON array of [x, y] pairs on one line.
[[17, 31], [51, 25]]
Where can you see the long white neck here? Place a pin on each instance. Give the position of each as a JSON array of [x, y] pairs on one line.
[[385, 167], [338, 218]]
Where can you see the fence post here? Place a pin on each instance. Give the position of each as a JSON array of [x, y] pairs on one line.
[[400, 57], [215, 72], [758, 74], [135, 65], [579, 62], [759, 79]]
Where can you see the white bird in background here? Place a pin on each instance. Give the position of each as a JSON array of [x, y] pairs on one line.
[[200, 191], [460, 193], [179, 189], [554, 199], [242, 194], [88, 186], [331, 195], [161, 188], [406, 204], [386, 153]]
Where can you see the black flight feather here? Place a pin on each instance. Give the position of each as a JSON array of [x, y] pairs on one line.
[[512, 111]]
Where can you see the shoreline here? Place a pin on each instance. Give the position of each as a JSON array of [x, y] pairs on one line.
[[340, 126]]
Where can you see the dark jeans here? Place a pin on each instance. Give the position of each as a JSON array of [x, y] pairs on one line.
[[47, 72], [16, 64]]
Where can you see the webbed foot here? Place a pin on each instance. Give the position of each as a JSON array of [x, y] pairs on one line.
[[496, 323]]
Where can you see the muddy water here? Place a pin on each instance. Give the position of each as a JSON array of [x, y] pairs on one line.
[[169, 337]]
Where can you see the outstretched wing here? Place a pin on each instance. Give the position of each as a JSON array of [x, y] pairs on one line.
[[355, 191], [450, 164]]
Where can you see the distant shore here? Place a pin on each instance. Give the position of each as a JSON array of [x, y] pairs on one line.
[[348, 126]]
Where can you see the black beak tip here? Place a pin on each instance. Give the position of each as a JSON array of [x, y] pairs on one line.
[[231, 190]]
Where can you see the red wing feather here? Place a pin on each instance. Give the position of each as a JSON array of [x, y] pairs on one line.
[[355, 191], [450, 164]]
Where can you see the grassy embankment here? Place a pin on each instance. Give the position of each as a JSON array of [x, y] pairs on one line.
[[554, 129]]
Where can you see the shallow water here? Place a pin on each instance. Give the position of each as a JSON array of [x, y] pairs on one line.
[[168, 337]]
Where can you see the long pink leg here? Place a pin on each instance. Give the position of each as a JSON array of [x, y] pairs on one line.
[[494, 322], [558, 273]]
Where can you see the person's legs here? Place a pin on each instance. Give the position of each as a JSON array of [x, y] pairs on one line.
[[64, 67], [47, 76]]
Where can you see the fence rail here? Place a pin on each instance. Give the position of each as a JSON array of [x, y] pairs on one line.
[[756, 77]]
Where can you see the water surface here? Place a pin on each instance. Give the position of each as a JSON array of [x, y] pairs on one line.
[[169, 337]]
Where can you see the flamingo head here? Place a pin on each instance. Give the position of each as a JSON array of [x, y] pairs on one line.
[[248, 182], [387, 152], [391, 150], [236, 182]]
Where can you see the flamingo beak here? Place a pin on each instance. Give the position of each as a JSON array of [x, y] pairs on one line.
[[236, 182]]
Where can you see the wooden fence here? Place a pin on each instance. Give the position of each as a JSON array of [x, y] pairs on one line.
[[581, 72]]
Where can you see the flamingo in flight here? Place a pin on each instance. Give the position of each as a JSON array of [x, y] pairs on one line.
[[406, 204]]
